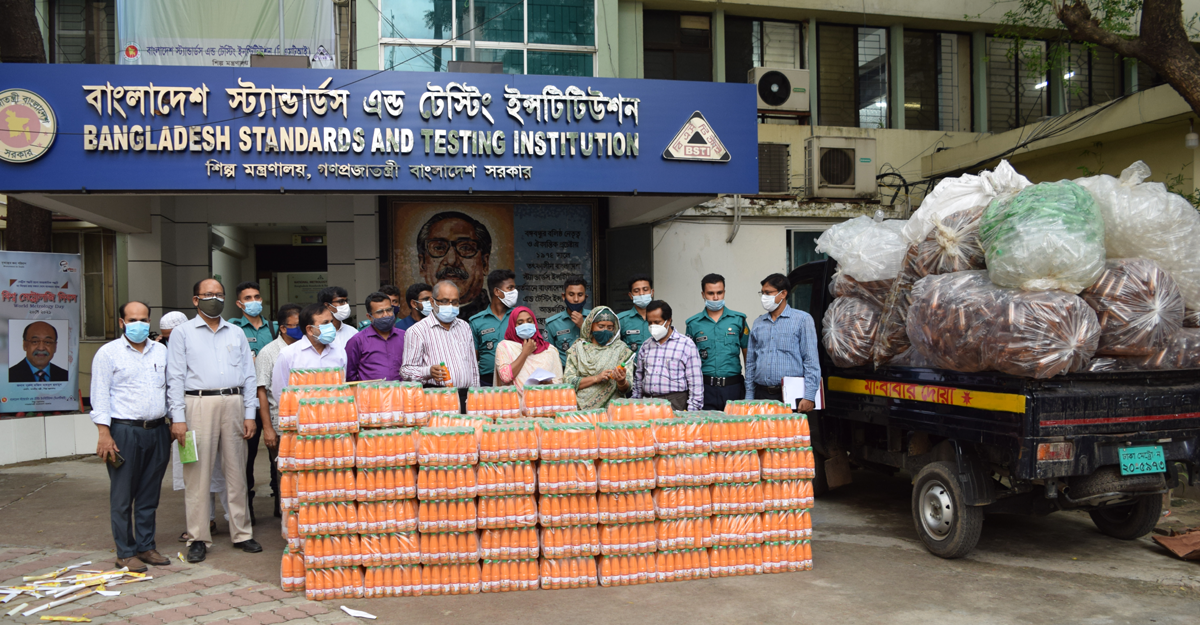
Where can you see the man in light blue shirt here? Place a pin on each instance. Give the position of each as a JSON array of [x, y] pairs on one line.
[[783, 343], [212, 391], [129, 404]]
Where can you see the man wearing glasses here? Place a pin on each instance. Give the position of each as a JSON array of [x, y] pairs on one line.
[[439, 350], [40, 341], [454, 246]]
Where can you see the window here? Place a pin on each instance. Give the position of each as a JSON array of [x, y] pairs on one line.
[[852, 76], [1091, 77], [678, 46], [1147, 77], [1016, 95], [81, 31], [527, 37], [98, 311], [751, 43], [802, 248], [932, 71]]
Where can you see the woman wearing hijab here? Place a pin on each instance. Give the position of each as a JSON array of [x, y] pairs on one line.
[[524, 351], [594, 361]]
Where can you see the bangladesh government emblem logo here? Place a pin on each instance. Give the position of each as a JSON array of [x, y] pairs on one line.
[[27, 126]]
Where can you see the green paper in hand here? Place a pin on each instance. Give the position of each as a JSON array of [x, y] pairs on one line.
[[187, 451]]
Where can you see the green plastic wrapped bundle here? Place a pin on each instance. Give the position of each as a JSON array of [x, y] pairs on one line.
[[1049, 236]]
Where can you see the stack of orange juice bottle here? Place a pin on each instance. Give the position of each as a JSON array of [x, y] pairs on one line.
[[334, 583], [508, 441], [680, 565], [560, 573], [385, 404], [572, 541], [685, 434], [675, 534], [448, 547], [509, 575], [450, 420], [787, 464], [386, 484], [332, 550], [735, 560], [317, 377], [685, 470], [392, 581], [787, 494], [567, 441], [545, 400], [737, 529], [506, 478], [290, 396], [733, 432], [291, 571], [563, 510], [626, 507], [683, 502], [756, 407], [391, 447], [615, 476], [619, 539], [314, 519], [328, 486], [335, 415], [442, 400], [447, 515], [785, 430], [639, 409], [561, 477], [742, 498], [450, 579], [596, 415], [628, 570], [499, 402], [447, 446], [786, 525], [387, 517], [507, 511], [625, 440], [737, 466], [446, 483], [519, 543], [786, 557]]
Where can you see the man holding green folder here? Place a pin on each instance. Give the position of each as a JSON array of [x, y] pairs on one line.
[[129, 404]]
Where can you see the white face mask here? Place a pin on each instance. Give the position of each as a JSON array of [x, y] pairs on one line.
[[509, 299], [342, 313], [658, 332], [768, 302]]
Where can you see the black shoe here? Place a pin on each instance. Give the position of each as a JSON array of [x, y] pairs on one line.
[[249, 546], [196, 552]]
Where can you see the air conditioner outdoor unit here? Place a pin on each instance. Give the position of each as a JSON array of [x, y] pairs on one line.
[[840, 167], [781, 89]]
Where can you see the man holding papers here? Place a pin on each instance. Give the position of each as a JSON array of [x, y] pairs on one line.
[[783, 343]]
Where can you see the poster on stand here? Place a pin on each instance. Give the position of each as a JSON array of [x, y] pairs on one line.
[[39, 332]]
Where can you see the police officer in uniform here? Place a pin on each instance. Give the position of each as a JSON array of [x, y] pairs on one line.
[[563, 328], [634, 327], [721, 335], [489, 324]]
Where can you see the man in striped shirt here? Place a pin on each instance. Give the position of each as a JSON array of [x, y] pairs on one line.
[[668, 363], [783, 343], [439, 350]]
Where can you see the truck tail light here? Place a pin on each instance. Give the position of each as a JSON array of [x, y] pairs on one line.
[[1050, 452]]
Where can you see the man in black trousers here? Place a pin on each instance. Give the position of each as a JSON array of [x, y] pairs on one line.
[[129, 407]]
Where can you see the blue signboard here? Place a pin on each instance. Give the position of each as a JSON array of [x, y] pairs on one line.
[[76, 128]]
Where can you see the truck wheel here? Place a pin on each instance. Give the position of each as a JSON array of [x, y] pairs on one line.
[[1129, 521], [949, 528]]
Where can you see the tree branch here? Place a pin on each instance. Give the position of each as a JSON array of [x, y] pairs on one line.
[[1083, 26]]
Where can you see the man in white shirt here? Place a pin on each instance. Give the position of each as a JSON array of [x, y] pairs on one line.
[[211, 390], [129, 404], [318, 349]]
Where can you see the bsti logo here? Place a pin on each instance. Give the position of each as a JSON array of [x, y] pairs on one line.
[[27, 126]]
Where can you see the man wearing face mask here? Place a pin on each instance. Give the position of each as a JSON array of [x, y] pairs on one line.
[[668, 364], [375, 353], [167, 324], [335, 299], [489, 324], [211, 390], [268, 404], [439, 351], [259, 332], [783, 343], [721, 335], [419, 297], [562, 328], [394, 297], [318, 349], [129, 401], [634, 328]]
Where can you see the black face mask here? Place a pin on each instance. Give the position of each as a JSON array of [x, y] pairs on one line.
[[574, 307]]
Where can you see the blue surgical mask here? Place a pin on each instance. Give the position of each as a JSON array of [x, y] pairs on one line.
[[137, 331], [383, 324], [714, 304], [295, 333], [328, 333], [526, 330], [426, 308], [447, 314], [253, 309], [642, 301], [603, 337]]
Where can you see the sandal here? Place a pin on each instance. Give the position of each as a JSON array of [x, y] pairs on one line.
[[212, 529]]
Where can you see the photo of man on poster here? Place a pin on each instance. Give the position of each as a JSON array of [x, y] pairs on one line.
[[39, 340], [454, 246]]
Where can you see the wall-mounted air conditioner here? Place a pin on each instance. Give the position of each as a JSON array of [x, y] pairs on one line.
[[840, 167], [781, 89]]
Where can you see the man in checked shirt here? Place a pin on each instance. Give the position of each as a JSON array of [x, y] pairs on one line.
[[668, 364]]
